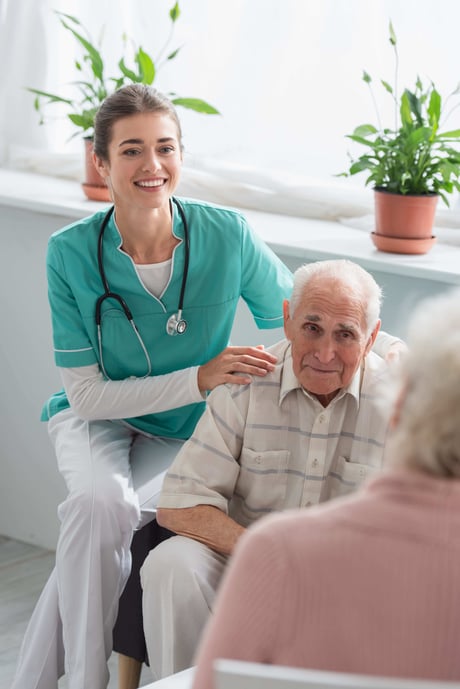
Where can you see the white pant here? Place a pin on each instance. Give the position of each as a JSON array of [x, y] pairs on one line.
[[78, 606], [179, 581]]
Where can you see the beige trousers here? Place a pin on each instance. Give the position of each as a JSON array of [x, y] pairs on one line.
[[179, 581]]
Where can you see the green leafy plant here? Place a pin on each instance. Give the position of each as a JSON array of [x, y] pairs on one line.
[[413, 157], [94, 86]]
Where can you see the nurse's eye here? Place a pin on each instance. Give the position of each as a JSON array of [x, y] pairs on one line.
[[167, 149], [131, 152]]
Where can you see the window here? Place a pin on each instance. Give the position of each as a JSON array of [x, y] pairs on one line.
[[285, 75]]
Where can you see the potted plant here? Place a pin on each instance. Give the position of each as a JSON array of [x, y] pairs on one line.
[[93, 86], [410, 165]]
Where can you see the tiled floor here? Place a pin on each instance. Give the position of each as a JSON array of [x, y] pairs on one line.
[[24, 570]]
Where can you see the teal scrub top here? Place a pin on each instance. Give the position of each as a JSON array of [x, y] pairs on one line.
[[227, 261]]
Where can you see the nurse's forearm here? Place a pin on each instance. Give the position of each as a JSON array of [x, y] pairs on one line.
[[92, 397], [204, 523]]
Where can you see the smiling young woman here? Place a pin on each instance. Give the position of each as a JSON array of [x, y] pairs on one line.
[[132, 393]]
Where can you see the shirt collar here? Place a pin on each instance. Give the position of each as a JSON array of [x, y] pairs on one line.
[[289, 382]]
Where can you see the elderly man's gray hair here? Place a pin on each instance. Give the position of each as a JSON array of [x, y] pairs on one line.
[[427, 433], [351, 274]]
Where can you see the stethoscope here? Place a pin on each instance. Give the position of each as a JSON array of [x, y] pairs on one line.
[[176, 325]]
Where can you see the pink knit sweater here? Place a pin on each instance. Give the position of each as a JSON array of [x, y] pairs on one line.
[[365, 584]]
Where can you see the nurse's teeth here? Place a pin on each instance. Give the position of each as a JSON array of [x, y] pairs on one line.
[[151, 183]]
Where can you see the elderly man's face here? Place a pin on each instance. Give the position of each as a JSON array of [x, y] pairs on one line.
[[328, 337]]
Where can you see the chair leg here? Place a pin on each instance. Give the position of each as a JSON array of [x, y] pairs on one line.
[[129, 672]]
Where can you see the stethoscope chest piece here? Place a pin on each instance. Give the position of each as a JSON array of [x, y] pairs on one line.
[[176, 325]]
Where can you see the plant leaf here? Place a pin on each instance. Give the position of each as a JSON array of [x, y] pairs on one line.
[[128, 73], [434, 108], [51, 96], [392, 34], [365, 130], [174, 12], [386, 86], [174, 53], [454, 134], [68, 16], [97, 64], [196, 104], [146, 66], [405, 109]]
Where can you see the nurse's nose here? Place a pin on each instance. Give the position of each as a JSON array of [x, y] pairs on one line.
[[151, 162]]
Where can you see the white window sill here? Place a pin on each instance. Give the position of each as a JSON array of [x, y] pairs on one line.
[[302, 238]]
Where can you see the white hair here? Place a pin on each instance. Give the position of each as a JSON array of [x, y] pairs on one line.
[[427, 432], [358, 280]]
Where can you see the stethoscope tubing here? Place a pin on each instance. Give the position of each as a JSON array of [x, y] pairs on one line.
[[108, 294], [176, 325]]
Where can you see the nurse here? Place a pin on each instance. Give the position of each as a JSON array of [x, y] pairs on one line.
[[167, 275]]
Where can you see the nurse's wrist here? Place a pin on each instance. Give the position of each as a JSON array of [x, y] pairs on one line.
[[195, 381]]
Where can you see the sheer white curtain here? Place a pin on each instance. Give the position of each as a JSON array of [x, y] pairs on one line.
[[286, 77], [23, 61]]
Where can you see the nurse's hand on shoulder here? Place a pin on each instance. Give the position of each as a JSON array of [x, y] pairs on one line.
[[396, 352], [235, 365]]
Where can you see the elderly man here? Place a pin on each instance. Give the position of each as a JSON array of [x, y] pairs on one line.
[[311, 430], [368, 584]]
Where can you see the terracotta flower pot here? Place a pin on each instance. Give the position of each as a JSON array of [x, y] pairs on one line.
[[404, 223], [94, 185]]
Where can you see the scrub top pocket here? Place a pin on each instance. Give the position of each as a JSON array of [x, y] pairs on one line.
[[122, 352]]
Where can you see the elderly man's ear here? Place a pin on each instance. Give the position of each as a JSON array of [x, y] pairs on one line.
[[372, 336], [287, 319]]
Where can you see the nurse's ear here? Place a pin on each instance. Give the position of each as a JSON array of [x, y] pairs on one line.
[[101, 166]]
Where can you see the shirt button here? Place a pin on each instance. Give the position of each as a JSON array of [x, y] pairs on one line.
[[321, 418], [315, 462], [258, 459]]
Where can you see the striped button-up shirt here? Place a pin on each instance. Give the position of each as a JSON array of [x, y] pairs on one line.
[[270, 445]]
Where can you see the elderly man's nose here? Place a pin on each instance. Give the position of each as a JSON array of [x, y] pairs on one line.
[[326, 352]]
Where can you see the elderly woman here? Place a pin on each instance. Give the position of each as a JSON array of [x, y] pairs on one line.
[[369, 583]]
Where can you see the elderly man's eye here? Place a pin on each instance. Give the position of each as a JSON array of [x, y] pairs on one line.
[[310, 327]]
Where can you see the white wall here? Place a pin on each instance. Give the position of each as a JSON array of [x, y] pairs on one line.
[[30, 485]]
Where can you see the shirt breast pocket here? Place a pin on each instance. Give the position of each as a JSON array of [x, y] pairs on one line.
[[262, 481], [347, 476]]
